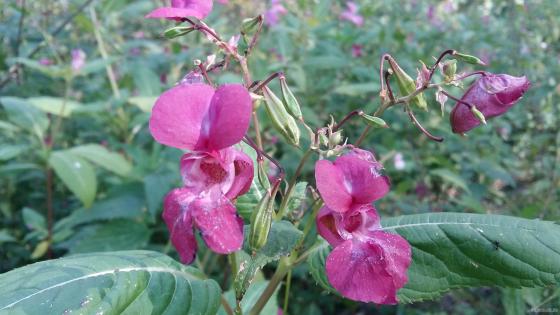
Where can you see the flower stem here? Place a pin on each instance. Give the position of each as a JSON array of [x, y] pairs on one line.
[[291, 185], [281, 271], [287, 292]]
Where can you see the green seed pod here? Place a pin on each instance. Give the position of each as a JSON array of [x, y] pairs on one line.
[[449, 70], [469, 59], [375, 121], [478, 114], [250, 25], [263, 178], [407, 85], [290, 100], [281, 120], [261, 220], [177, 31]]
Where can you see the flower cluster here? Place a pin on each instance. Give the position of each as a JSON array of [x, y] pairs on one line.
[[367, 264], [208, 122]]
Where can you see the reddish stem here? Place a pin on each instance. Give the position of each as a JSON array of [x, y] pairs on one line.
[[469, 105], [424, 131], [260, 85], [353, 113]]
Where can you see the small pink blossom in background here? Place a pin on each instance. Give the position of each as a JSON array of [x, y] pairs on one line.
[[78, 59], [492, 94], [273, 14], [181, 9], [351, 14], [399, 162], [46, 62], [366, 264], [357, 51]]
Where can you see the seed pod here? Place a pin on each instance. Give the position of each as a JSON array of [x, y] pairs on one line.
[[261, 175], [281, 120], [407, 85], [478, 114], [449, 70], [469, 59], [177, 31], [261, 220], [374, 121], [290, 100], [249, 25]]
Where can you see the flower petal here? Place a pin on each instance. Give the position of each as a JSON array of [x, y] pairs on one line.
[[358, 270], [398, 254], [363, 177], [178, 218], [244, 173], [327, 226], [205, 170], [183, 8], [178, 114], [332, 186], [492, 94], [229, 116], [220, 226]]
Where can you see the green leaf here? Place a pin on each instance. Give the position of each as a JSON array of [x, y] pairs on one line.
[[453, 250], [99, 155], [77, 174], [146, 80], [297, 196], [109, 236], [145, 103], [8, 152], [356, 89], [25, 115], [33, 220], [128, 282], [316, 262], [250, 299], [282, 239], [512, 301], [156, 186], [54, 105], [5, 237], [451, 177]]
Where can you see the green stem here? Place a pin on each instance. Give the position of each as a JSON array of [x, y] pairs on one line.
[[281, 271], [287, 292], [291, 185], [103, 52]]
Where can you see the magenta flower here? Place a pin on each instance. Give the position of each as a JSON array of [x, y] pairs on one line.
[[198, 117], [46, 62], [357, 51], [351, 14], [78, 59], [272, 15], [181, 9], [492, 94], [366, 264], [354, 178]]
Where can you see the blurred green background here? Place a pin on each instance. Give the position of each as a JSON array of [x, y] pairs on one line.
[[109, 176]]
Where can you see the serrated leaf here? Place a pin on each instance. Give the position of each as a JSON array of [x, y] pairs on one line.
[[77, 174], [25, 115], [452, 250], [99, 155], [128, 282], [282, 239]]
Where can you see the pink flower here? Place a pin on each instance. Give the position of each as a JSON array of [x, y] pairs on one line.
[[366, 264], [210, 181], [352, 14], [45, 62], [181, 9], [198, 117], [354, 178], [78, 59], [492, 94], [357, 51], [272, 15]]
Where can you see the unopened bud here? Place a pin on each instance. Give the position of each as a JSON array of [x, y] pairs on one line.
[[469, 59], [478, 114], [290, 100], [335, 138], [281, 119], [449, 70], [249, 25], [407, 85], [261, 221], [177, 31]]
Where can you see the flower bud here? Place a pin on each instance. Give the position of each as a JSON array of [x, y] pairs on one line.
[[449, 70], [469, 59], [261, 220], [177, 31], [290, 100], [478, 114], [335, 138], [281, 120], [407, 85], [249, 25]]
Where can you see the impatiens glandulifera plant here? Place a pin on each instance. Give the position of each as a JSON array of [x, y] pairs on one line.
[[243, 207]]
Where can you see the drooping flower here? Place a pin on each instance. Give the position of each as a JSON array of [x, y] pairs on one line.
[[181, 9], [354, 178], [78, 59], [198, 117], [366, 264], [492, 94], [352, 14], [272, 15], [211, 181]]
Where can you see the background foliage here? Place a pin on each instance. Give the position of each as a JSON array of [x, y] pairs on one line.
[[108, 176]]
